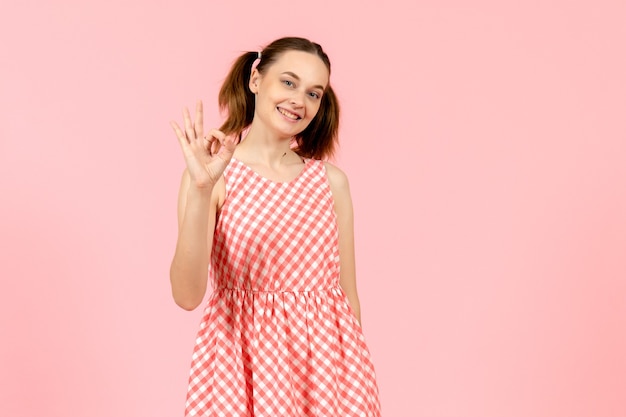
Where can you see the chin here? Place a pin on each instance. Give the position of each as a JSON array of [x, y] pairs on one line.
[[289, 133]]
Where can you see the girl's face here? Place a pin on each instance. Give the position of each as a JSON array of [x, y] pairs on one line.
[[289, 94]]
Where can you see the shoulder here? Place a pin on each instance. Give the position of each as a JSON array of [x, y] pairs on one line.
[[336, 177], [339, 187], [340, 190]]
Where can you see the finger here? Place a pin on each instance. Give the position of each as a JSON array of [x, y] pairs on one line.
[[231, 142], [217, 134], [188, 126], [215, 137], [215, 147], [198, 124], [179, 134], [228, 147], [209, 144]]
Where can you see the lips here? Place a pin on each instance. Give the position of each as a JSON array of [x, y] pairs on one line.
[[288, 114]]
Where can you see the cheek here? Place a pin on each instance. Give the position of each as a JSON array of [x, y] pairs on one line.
[[313, 108]]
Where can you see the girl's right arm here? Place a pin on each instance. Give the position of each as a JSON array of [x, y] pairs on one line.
[[197, 210], [201, 192]]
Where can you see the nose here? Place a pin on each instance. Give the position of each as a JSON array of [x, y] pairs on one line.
[[297, 99]]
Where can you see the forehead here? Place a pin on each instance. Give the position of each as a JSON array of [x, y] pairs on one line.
[[308, 67]]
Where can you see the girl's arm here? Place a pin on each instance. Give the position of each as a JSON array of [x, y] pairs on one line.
[[201, 191], [197, 208], [345, 221]]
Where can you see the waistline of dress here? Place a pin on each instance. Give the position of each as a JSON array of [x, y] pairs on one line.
[[255, 291]]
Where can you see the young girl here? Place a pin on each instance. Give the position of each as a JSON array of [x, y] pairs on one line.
[[272, 223]]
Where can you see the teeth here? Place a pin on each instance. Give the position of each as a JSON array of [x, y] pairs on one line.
[[289, 114]]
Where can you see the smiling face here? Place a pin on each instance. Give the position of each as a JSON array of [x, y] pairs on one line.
[[289, 93]]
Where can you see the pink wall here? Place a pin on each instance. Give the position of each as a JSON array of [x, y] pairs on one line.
[[485, 145]]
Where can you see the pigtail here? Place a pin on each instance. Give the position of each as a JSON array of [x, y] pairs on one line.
[[235, 97], [319, 140]]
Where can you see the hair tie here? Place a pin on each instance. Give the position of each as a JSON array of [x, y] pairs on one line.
[[256, 61]]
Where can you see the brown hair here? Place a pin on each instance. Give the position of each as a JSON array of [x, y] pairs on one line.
[[319, 139]]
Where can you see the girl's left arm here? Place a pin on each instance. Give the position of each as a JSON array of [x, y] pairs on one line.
[[345, 220]]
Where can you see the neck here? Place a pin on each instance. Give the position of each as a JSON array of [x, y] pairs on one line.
[[259, 146]]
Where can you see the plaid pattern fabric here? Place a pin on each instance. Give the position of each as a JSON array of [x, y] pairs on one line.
[[278, 337]]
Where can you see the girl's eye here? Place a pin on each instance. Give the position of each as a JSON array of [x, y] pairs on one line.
[[288, 83], [314, 95]]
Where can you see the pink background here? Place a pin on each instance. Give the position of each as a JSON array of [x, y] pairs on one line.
[[485, 144]]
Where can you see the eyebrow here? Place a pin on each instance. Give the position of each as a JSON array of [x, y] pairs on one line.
[[291, 74]]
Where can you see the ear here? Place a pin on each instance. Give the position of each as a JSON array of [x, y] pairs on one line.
[[255, 78]]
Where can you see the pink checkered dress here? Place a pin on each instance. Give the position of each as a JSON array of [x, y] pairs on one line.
[[278, 337]]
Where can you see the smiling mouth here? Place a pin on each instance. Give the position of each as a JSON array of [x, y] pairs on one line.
[[288, 114]]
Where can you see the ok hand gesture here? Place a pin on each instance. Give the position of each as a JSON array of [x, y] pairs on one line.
[[207, 155]]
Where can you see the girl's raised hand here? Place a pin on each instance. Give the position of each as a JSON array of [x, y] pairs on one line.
[[207, 155]]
